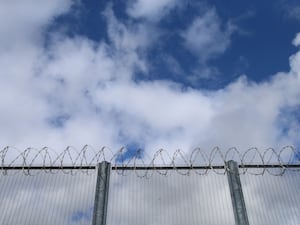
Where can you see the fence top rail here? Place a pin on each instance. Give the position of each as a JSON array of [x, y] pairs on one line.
[[120, 167], [148, 171]]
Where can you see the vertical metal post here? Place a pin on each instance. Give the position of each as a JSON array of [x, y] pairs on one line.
[[237, 197], [101, 195]]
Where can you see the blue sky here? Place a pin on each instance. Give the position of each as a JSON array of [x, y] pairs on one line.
[[150, 74], [260, 31]]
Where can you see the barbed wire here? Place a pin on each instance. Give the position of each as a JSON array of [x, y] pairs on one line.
[[198, 161]]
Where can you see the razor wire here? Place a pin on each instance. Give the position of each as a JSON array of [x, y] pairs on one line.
[[199, 161]]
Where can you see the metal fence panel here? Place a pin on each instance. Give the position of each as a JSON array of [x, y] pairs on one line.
[[272, 199], [47, 198], [169, 200]]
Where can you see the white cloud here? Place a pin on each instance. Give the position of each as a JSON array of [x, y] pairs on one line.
[[90, 87], [296, 41], [130, 36], [291, 9], [206, 38], [23, 21], [152, 10], [294, 12]]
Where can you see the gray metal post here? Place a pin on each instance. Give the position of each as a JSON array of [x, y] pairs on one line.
[[237, 197], [101, 196]]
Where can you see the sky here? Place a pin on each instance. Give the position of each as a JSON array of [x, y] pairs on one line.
[[149, 74]]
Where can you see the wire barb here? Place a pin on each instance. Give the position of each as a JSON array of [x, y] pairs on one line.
[[252, 161]]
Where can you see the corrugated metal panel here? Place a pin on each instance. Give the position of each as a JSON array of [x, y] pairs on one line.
[[273, 200], [174, 199], [47, 198]]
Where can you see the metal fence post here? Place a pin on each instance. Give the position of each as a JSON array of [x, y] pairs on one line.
[[101, 195], [237, 197]]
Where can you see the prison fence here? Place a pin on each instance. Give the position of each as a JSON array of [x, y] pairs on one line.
[[88, 186]]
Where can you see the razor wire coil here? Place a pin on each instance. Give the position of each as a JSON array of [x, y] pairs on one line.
[[88, 157]]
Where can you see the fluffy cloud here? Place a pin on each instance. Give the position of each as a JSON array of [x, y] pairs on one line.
[[291, 9], [130, 36], [294, 12], [206, 38], [76, 91], [296, 41], [24, 21], [151, 10]]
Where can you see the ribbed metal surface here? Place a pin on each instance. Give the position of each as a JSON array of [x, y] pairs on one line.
[[273, 200], [47, 199], [169, 200]]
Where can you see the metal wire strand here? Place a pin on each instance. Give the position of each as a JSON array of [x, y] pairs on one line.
[[198, 161]]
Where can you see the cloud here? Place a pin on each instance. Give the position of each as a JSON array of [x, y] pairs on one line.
[[128, 36], [76, 91], [291, 9], [22, 21], [294, 12], [151, 10], [206, 38], [296, 41]]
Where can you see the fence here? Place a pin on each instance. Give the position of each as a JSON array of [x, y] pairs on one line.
[[99, 187]]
